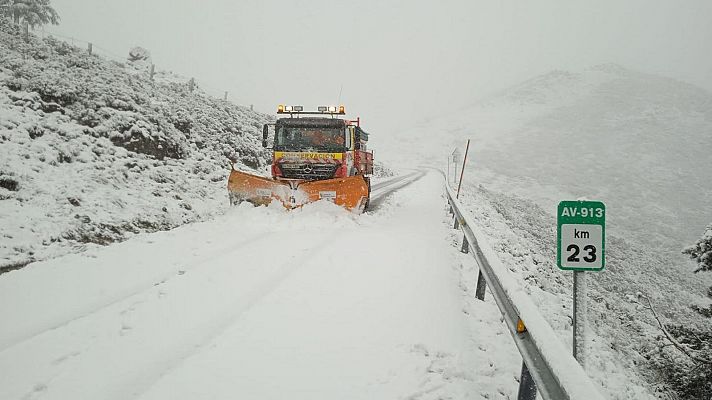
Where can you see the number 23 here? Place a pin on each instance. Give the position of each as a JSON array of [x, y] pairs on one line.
[[591, 249]]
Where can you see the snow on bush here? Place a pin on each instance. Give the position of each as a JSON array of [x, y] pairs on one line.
[[139, 54], [627, 347], [92, 150], [701, 252]]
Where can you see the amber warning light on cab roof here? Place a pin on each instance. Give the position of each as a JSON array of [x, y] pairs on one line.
[[333, 110]]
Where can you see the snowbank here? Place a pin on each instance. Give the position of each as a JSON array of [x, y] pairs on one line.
[[92, 151]]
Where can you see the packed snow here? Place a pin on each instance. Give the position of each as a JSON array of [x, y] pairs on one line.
[[262, 303]]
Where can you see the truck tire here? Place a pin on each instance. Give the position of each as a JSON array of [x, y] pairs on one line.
[[368, 199], [233, 199]]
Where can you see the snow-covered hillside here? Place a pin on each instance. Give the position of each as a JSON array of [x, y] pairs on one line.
[[638, 142], [641, 144], [92, 151]]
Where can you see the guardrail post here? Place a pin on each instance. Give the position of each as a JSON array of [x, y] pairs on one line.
[[547, 362], [465, 246], [527, 386], [481, 286]]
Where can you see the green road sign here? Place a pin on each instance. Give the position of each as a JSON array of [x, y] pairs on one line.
[[581, 235]]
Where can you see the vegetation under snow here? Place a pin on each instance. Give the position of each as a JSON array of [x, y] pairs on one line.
[[92, 150]]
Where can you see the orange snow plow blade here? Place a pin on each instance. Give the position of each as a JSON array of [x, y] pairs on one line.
[[351, 192], [255, 189]]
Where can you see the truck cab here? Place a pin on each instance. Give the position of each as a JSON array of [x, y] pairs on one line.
[[318, 148]]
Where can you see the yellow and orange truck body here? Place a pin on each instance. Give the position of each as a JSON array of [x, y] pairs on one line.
[[314, 158]]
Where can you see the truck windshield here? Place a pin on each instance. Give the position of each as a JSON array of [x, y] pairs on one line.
[[293, 138]]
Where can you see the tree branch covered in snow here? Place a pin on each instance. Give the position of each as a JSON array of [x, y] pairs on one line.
[[687, 371], [686, 350], [701, 252], [34, 12]]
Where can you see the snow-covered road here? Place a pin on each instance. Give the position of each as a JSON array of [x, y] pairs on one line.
[[261, 304]]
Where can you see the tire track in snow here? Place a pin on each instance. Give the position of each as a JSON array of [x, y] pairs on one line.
[[105, 344], [382, 190], [120, 297], [314, 336], [391, 182], [269, 288], [92, 348]]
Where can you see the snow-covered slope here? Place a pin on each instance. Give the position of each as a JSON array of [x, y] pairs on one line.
[[92, 150], [639, 142]]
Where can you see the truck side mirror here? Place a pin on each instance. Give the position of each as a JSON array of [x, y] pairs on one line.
[[265, 132]]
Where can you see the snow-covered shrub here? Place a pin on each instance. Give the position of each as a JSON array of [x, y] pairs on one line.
[[685, 364], [35, 131], [701, 252], [49, 84], [139, 54], [8, 183], [89, 90], [182, 121], [689, 378]]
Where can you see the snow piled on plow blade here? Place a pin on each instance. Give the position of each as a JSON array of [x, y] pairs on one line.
[[350, 192]]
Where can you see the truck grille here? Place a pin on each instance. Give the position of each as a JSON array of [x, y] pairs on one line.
[[308, 171]]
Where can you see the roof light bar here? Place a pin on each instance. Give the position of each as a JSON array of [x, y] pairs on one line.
[[284, 109], [332, 109]]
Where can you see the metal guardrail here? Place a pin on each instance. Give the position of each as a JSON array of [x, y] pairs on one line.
[[547, 365]]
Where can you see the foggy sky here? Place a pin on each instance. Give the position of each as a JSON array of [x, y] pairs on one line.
[[393, 61]]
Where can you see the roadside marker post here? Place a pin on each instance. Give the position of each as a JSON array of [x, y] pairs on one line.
[[448, 169], [462, 170], [580, 243], [455, 160]]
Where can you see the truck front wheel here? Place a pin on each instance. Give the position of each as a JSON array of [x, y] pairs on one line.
[[368, 198]]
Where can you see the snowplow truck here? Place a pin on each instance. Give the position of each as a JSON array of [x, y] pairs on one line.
[[315, 155]]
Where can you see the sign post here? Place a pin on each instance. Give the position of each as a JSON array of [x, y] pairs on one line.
[[455, 161], [580, 243], [579, 319], [462, 171]]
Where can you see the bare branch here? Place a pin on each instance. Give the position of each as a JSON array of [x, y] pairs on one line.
[[672, 340]]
